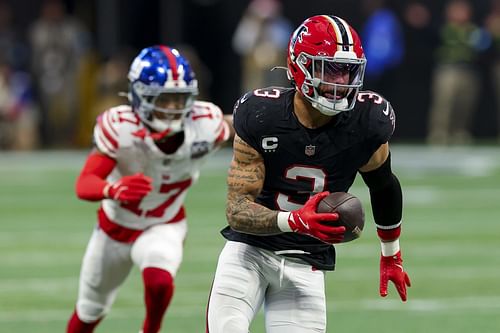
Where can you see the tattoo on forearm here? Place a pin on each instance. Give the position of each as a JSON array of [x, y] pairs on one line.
[[245, 181], [249, 217]]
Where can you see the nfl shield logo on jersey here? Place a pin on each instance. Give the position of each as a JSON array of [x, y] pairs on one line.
[[310, 150]]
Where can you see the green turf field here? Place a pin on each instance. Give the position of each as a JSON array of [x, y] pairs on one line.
[[451, 245]]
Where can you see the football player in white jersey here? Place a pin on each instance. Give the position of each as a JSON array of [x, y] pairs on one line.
[[147, 154]]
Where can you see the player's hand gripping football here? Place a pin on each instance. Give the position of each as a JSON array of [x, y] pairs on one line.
[[391, 269], [306, 220], [129, 189]]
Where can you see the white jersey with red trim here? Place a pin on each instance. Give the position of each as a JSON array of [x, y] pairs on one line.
[[120, 134]]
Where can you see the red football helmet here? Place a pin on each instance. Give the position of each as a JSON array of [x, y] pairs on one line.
[[326, 63]]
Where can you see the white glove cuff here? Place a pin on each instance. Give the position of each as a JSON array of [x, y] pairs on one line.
[[390, 248], [282, 221]]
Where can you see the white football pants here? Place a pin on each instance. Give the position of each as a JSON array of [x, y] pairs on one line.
[[107, 263], [292, 292]]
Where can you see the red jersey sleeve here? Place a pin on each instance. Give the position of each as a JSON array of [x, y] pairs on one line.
[[91, 182]]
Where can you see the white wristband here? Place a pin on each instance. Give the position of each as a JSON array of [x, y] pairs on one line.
[[282, 221], [390, 248], [105, 191]]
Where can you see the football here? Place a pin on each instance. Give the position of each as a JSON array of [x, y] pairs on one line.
[[350, 210]]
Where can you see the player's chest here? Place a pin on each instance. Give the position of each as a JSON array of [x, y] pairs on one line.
[[147, 158], [330, 151]]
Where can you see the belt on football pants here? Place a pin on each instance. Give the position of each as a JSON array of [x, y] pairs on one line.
[[127, 235]]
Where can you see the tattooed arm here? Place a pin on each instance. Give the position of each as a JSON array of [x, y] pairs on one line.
[[245, 181]]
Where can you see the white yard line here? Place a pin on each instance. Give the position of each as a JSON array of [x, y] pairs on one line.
[[434, 306]]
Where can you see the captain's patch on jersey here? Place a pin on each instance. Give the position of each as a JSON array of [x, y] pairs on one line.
[[269, 144]]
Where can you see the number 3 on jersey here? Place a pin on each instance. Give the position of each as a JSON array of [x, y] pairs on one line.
[[377, 99], [316, 177], [269, 93]]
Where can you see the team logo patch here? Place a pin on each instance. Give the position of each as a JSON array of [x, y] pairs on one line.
[[297, 37], [310, 150], [199, 149]]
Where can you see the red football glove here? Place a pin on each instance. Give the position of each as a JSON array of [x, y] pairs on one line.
[[306, 220], [129, 188], [391, 269]]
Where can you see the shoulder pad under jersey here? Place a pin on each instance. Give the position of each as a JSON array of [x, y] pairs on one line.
[[114, 129], [259, 110], [379, 116], [207, 119]]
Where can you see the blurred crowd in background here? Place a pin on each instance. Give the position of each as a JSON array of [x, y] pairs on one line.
[[64, 62]]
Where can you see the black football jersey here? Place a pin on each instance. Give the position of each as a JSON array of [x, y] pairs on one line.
[[300, 162]]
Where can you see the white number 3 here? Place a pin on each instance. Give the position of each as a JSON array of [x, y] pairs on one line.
[[377, 99], [272, 93], [316, 177]]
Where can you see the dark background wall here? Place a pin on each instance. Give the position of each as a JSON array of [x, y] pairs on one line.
[[208, 26]]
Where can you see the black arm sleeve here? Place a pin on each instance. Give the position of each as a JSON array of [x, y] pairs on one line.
[[385, 195]]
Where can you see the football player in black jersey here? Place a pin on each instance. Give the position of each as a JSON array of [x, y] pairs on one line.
[[292, 147]]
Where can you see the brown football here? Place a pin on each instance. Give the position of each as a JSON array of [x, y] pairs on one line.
[[350, 210]]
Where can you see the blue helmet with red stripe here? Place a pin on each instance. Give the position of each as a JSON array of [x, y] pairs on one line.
[[162, 88]]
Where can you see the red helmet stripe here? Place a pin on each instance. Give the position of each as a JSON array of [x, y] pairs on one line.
[[172, 61]]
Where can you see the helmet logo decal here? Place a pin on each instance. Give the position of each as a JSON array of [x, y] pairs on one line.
[[136, 68], [297, 37]]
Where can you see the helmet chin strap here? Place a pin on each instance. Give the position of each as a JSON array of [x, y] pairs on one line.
[[328, 108], [323, 105]]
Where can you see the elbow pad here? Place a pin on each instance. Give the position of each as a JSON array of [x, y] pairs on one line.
[[386, 198]]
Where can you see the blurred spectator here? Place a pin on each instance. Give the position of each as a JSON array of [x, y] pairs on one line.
[[414, 74], [13, 52], [58, 43], [417, 29], [203, 73], [456, 83], [492, 24], [261, 38], [382, 42], [18, 116], [111, 82], [105, 81]]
